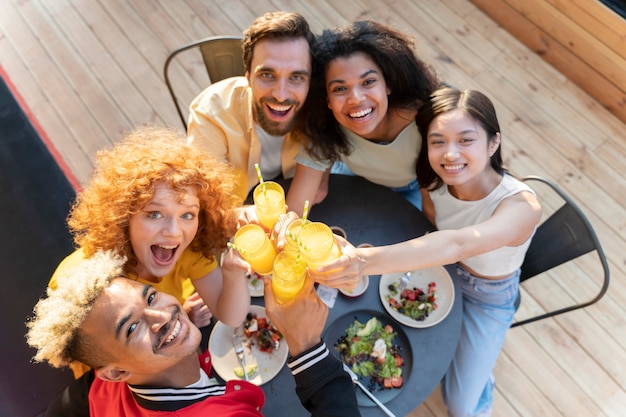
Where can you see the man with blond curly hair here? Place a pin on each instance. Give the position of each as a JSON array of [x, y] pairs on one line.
[[142, 348]]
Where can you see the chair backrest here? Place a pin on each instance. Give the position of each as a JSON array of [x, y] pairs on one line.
[[562, 237], [222, 56]]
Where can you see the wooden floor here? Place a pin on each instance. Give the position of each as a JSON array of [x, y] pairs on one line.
[[90, 70]]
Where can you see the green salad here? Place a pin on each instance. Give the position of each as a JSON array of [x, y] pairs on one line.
[[369, 349]]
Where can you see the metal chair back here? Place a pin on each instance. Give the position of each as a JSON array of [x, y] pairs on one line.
[[562, 237], [222, 56]]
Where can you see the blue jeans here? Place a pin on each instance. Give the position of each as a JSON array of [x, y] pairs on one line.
[[410, 192], [488, 309]]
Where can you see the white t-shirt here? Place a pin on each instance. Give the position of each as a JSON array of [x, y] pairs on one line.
[[270, 163], [391, 164]]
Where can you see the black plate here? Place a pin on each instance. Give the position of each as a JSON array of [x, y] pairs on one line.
[[338, 328]]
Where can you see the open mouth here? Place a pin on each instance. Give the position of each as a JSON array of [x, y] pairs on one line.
[[279, 110], [172, 331], [453, 168], [164, 254], [361, 114], [173, 334]]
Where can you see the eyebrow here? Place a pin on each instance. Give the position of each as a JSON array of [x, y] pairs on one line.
[[463, 132], [148, 206], [120, 324], [263, 68], [365, 74]]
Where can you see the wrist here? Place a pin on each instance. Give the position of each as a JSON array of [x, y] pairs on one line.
[[298, 347]]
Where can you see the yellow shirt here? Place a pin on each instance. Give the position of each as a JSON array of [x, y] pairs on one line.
[[221, 120], [191, 265]]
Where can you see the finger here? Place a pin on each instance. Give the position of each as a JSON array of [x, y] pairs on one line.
[[268, 294], [309, 285]]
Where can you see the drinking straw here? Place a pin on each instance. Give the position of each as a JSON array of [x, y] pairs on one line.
[[237, 248], [295, 239], [305, 211], [258, 174]]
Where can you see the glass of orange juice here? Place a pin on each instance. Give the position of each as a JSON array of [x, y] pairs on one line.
[[269, 200], [288, 276], [317, 244], [291, 234], [258, 250]]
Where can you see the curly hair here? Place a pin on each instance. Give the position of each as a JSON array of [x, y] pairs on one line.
[[410, 80], [276, 26], [54, 330], [124, 182]]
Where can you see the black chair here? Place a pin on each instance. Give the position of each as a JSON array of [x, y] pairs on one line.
[[222, 56], [564, 236]]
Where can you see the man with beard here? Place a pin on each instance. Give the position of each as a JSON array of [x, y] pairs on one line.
[[247, 120], [142, 348]]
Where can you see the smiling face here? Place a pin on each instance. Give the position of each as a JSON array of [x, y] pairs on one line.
[[145, 332], [280, 75], [162, 230], [458, 148], [357, 94]]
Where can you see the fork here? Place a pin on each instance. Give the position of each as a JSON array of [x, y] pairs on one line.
[[240, 355], [355, 380], [404, 281]]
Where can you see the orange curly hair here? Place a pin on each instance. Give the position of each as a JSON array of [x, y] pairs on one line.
[[124, 182]]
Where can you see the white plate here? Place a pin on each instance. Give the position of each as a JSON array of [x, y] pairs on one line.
[[420, 279], [256, 289], [224, 359], [364, 282]]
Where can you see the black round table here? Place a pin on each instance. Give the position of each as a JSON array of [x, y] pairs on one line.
[[373, 214]]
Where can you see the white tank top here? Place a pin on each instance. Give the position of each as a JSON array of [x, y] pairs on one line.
[[452, 213]]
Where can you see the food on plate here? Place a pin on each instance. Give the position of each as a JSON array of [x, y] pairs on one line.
[[369, 349], [260, 331], [255, 284], [250, 369], [414, 302]]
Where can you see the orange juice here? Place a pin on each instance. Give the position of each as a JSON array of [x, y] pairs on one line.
[[288, 276], [259, 252], [292, 231], [317, 244], [269, 200]]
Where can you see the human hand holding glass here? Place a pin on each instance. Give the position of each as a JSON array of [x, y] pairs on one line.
[[317, 244], [255, 247], [301, 320], [346, 270]]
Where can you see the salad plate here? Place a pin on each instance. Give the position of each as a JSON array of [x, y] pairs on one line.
[[421, 278], [224, 359], [337, 329]]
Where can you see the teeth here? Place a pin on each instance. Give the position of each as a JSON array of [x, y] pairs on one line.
[[453, 167], [278, 107], [361, 113], [168, 246], [174, 333]]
